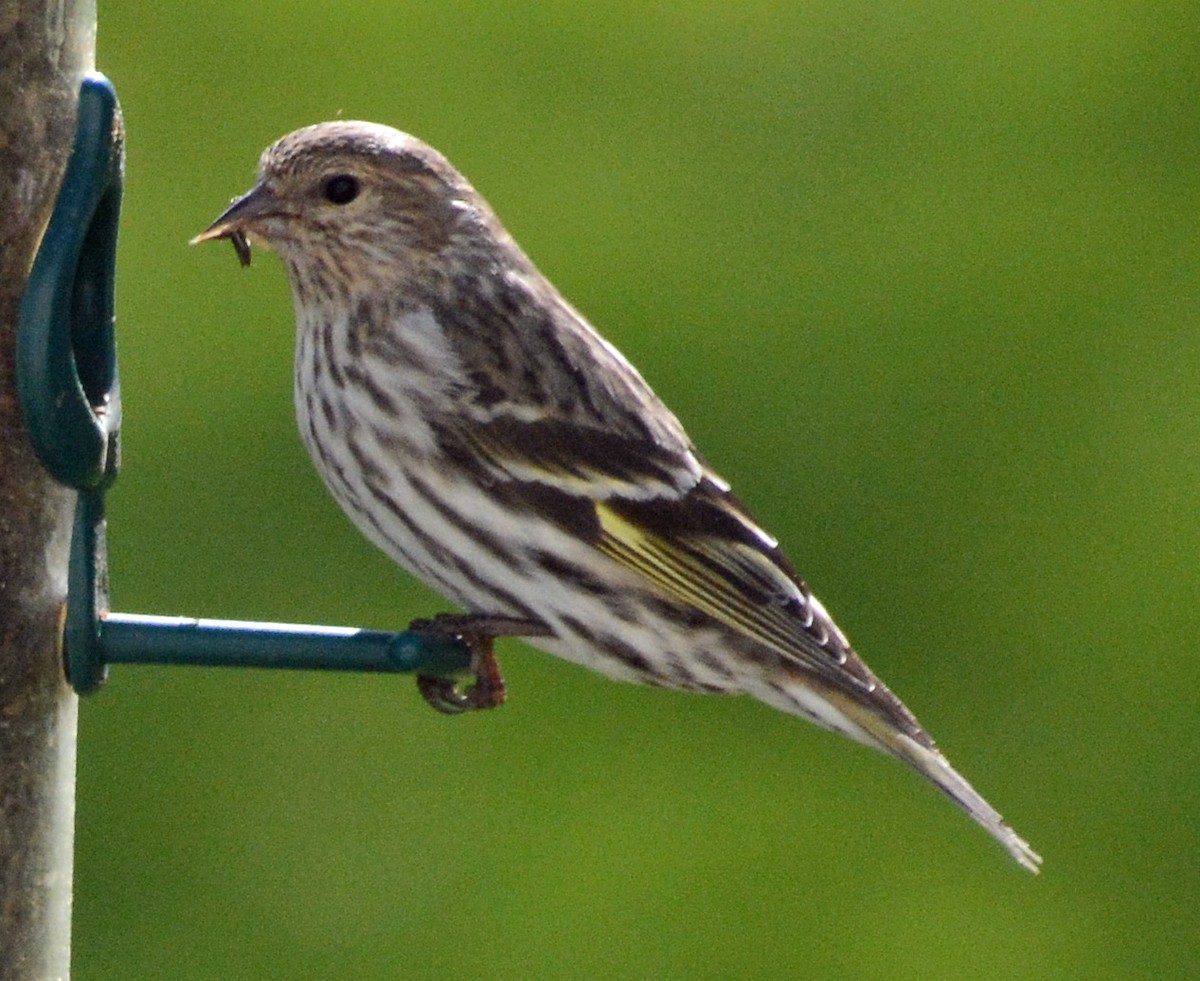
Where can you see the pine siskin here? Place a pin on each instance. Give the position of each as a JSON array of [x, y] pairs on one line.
[[477, 429]]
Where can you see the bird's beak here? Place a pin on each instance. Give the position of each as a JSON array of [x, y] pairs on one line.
[[240, 219]]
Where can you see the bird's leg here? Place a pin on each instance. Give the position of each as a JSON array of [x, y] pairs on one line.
[[479, 632]]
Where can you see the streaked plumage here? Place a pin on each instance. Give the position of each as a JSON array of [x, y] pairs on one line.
[[477, 429]]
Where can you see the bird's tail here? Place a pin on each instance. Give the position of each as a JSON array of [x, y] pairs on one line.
[[937, 769], [882, 722]]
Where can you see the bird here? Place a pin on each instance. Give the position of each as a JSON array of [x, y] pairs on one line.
[[479, 430]]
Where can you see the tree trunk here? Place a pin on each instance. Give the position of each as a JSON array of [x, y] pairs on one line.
[[45, 48]]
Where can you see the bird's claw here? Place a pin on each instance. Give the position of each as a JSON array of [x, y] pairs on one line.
[[443, 695], [478, 632]]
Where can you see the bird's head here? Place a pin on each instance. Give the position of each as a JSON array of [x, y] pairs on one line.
[[347, 201]]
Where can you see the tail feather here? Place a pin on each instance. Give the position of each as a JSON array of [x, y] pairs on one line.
[[937, 769], [883, 726]]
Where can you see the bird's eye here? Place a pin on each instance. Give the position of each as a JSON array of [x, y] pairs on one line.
[[340, 189]]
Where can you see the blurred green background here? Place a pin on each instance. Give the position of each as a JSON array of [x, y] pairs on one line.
[[920, 278]]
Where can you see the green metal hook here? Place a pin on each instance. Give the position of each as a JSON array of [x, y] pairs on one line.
[[69, 394], [66, 349]]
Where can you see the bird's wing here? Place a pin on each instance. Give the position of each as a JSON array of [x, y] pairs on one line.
[[659, 511], [595, 463], [704, 548], [584, 439]]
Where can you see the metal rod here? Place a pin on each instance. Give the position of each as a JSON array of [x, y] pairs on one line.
[[128, 638]]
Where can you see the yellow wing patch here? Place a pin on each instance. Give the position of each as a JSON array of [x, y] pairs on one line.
[[704, 573]]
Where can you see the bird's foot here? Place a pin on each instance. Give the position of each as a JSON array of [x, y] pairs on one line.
[[478, 631]]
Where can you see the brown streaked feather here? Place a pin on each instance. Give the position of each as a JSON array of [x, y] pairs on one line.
[[695, 543], [599, 464]]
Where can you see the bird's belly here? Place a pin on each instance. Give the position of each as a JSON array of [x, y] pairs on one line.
[[488, 558]]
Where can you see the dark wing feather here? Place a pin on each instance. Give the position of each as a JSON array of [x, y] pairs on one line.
[[584, 439], [597, 464], [675, 523], [704, 548]]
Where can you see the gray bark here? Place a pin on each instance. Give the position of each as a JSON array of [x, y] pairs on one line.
[[45, 48]]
